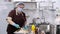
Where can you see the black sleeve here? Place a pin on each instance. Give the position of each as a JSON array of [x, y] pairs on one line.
[[11, 14]]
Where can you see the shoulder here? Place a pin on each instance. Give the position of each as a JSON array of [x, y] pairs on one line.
[[12, 11]]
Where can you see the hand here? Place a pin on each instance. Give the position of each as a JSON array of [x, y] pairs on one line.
[[16, 25], [25, 27]]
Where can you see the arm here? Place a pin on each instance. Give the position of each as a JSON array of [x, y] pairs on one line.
[[9, 20], [24, 16], [10, 17]]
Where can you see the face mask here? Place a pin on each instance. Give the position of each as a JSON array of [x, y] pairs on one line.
[[20, 9]]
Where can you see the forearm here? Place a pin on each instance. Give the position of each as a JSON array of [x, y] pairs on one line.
[[9, 20]]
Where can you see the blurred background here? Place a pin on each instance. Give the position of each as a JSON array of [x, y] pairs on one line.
[[36, 11]]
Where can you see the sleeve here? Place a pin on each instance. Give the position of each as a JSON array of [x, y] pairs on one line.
[[11, 14], [24, 16]]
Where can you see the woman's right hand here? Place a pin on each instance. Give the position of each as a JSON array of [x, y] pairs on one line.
[[16, 25]]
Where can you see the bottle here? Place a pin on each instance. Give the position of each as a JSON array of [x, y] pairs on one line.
[[33, 29]]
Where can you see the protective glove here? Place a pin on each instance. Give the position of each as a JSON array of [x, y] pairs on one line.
[[25, 27], [16, 25]]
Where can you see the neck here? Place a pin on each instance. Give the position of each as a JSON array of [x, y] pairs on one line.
[[19, 12]]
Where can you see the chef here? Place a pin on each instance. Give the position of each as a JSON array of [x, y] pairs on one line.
[[16, 18]]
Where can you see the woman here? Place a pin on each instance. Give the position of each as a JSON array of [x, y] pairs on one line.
[[16, 19]]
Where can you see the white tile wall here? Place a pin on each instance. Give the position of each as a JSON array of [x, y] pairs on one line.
[[5, 8], [32, 13]]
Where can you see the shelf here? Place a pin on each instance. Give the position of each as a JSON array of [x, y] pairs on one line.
[[30, 9]]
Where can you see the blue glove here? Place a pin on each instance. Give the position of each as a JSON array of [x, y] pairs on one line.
[[25, 27], [16, 25]]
